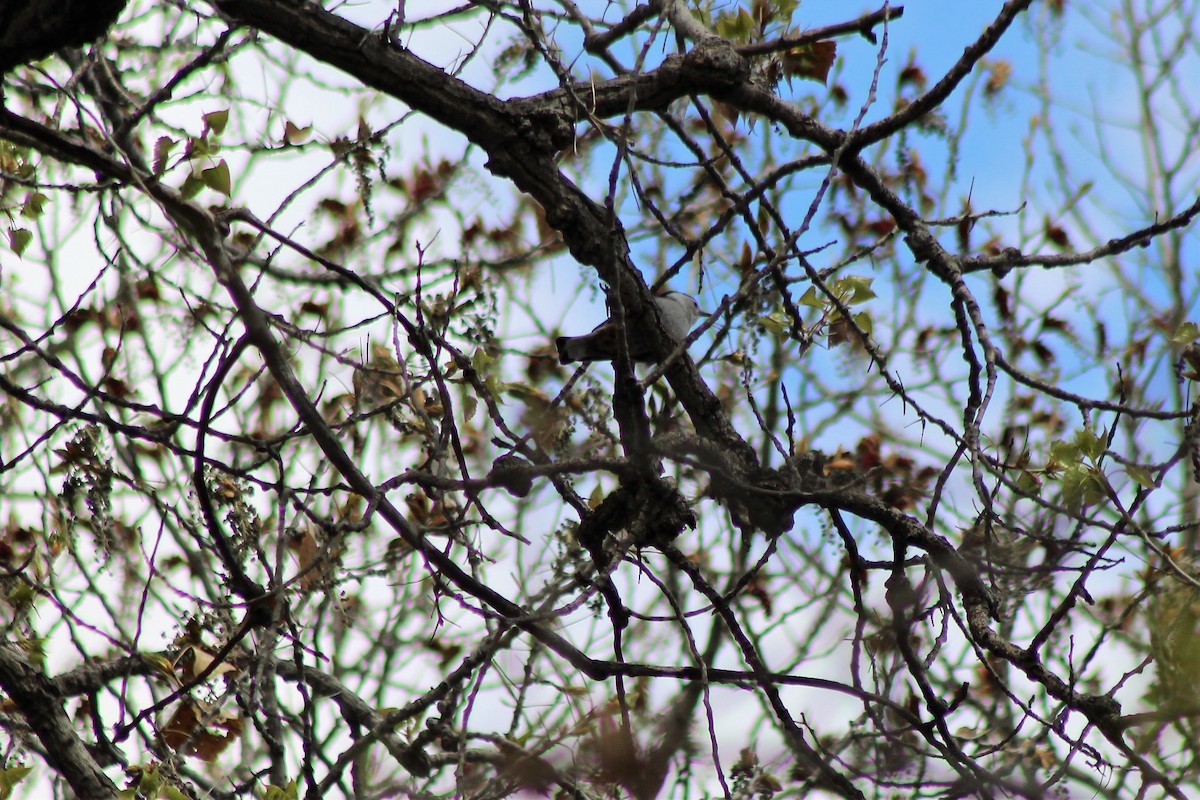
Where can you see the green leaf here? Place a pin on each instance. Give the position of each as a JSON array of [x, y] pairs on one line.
[[1028, 483], [776, 323], [32, 207], [481, 361], [495, 387], [1186, 333], [274, 793], [863, 321], [812, 299], [10, 777], [787, 8], [21, 596], [736, 25], [19, 239], [150, 782], [217, 178], [859, 288], [201, 148], [1141, 476], [1081, 485], [1090, 444], [1093, 488], [1064, 454], [1072, 483], [191, 186], [216, 121]]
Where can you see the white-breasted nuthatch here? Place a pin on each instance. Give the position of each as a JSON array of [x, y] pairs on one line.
[[678, 311]]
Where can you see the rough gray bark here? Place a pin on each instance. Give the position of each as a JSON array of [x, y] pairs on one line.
[[41, 704]]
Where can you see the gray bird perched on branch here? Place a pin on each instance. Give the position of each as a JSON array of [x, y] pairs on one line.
[[678, 311]]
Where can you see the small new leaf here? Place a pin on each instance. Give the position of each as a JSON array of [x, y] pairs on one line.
[[1141, 476], [191, 186], [482, 362], [1081, 486], [217, 178], [19, 239], [736, 26], [216, 121], [1186, 333], [786, 8], [1090, 444], [1063, 454], [32, 207], [289, 792], [859, 288], [10, 777], [776, 323], [812, 299]]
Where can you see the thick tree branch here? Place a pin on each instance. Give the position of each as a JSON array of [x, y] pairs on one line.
[[33, 29], [521, 138], [39, 701]]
